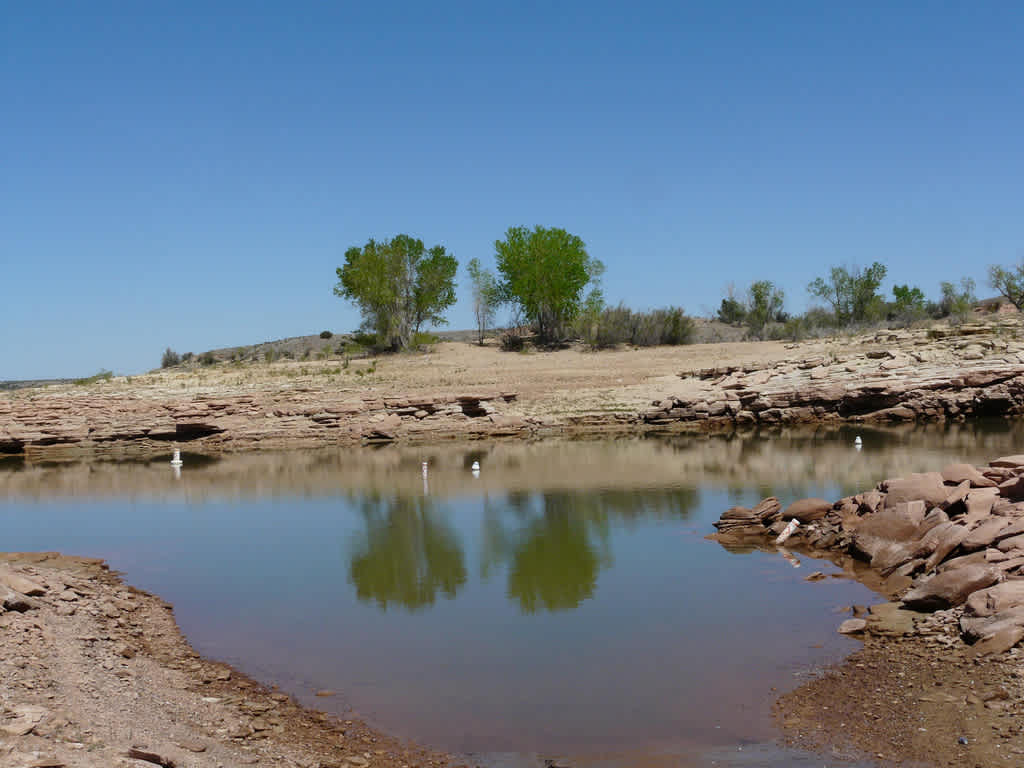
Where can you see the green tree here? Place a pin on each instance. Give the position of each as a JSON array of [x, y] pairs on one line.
[[852, 293], [957, 303], [398, 285], [544, 271], [486, 297], [909, 303], [1009, 283], [731, 311], [764, 305]]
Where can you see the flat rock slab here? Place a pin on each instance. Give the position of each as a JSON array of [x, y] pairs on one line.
[[950, 588], [986, 602], [890, 619], [852, 626]]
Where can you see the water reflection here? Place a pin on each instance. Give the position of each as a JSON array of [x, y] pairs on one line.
[[772, 461], [551, 547], [407, 554]]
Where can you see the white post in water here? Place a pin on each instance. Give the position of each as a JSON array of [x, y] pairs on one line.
[[858, 443], [475, 469], [788, 531], [176, 461], [426, 486]]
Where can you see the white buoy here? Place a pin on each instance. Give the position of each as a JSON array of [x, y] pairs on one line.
[[176, 461], [476, 469], [858, 441], [424, 468]]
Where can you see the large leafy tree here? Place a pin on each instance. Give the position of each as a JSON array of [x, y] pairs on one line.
[[398, 285], [852, 293], [544, 271]]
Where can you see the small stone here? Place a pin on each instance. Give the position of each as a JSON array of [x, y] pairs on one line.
[[853, 626], [816, 576]]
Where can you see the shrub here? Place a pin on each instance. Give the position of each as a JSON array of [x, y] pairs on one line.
[[186, 357], [512, 341], [621, 325], [363, 339], [207, 358], [421, 339], [269, 355], [170, 359], [326, 334], [96, 377]]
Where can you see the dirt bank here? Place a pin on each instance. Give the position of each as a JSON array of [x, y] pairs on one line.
[[467, 392], [91, 669]]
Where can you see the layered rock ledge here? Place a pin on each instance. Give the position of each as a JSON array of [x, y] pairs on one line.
[[936, 374], [294, 417], [905, 381]]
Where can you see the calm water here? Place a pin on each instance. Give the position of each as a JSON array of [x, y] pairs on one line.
[[564, 602]]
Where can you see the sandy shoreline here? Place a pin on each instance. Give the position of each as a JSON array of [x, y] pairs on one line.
[[93, 668]]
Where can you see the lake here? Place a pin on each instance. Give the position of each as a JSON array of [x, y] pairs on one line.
[[560, 602]]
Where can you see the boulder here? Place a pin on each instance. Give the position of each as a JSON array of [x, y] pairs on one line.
[[1000, 641], [986, 602], [974, 558], [928, 487], [20, 583], [1012, 489], [949, 541], [15, 601], [890, 619], [979, 504], [891, 555], [767, 509], [974, 628], [897, 524], [852, 626], [958, 473], [1009, 462], [870, 501], [950, 588], [956, 502], [982, 535], [1014, 542], [807, 510]]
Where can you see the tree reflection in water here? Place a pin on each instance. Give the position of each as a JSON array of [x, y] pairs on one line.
[[408, 553], [552, 545]]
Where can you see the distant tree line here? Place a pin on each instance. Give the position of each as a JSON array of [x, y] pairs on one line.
[[552, 289], [850, 297]]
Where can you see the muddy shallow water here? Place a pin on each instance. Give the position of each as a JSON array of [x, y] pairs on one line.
[[563, 602]]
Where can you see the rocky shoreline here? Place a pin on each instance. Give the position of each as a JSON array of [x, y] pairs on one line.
[[94, 673], [923, 375], [939, 678]]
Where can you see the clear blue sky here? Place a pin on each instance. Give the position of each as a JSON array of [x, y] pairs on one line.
[[189, 174]]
